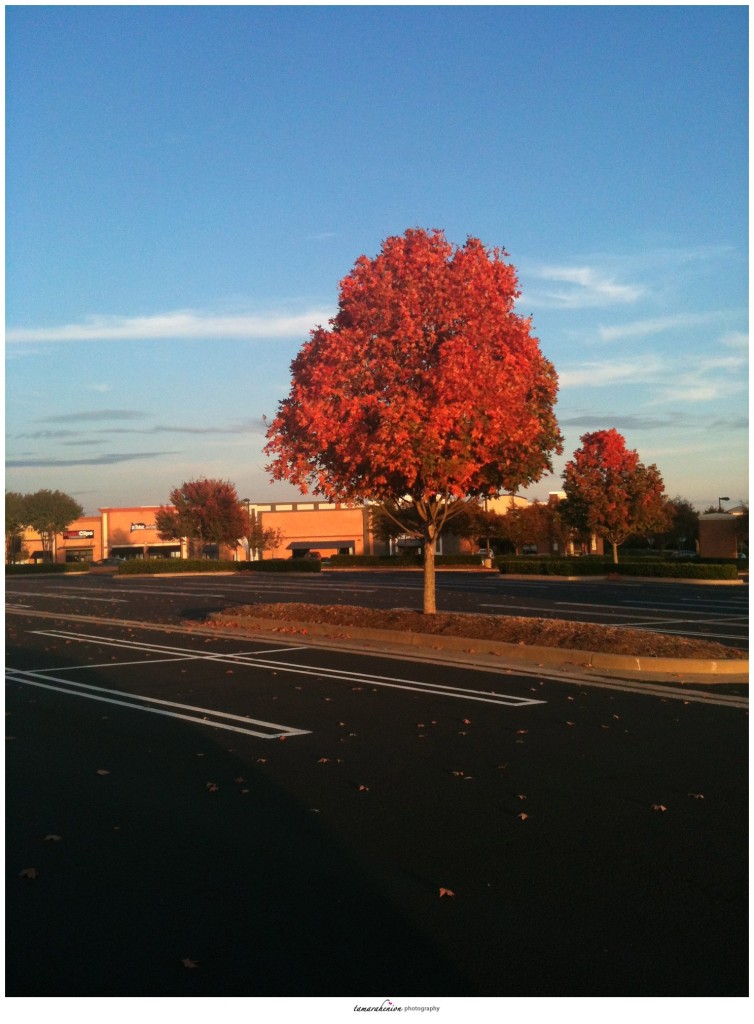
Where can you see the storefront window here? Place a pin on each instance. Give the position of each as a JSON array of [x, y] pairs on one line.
[[80, 555]]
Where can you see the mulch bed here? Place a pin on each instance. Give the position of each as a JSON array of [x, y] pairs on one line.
[[580, 636]]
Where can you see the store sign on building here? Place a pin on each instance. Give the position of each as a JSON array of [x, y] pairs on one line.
[[142, 526], [77, 534]]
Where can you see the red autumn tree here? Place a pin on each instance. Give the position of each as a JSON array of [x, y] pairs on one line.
[[205, 511], [427, 389], [610, 492]]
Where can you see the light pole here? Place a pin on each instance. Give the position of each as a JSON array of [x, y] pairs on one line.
[[719, 503], [487, 528], [247, 503]]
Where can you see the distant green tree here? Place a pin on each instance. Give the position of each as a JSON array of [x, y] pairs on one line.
[[682, 532], [49, 513], [260, 538], [742, 529], [15, 521]]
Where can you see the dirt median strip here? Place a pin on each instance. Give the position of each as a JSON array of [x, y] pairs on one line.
[[540, 655]]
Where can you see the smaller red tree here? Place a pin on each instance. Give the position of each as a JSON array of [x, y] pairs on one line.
[[611, 492], [205, 511]]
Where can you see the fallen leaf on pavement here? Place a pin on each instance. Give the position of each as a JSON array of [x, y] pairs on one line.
[[659, 807], [188, 962], [52, 838], [28, 873], [446, 892]]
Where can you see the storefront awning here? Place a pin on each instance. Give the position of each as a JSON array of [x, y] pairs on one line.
[[307, 545]]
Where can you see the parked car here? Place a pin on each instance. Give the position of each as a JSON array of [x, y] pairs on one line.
[[103, 565]]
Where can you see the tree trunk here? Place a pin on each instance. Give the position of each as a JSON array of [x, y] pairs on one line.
[[615, 553], [430, 544]]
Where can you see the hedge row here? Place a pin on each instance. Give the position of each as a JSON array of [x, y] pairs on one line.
[[30, 569], [396, 561], [589, 567], [401, 561], [139, 566]]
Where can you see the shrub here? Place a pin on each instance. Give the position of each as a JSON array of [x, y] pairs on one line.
[[279, 565], [30, 569], [401, 561], [600, 567], [154, 566], [458, 560], [385, 561]]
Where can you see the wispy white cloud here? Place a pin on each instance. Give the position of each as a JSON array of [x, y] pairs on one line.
[[176, 325], [689, 378], [643, 370], [580, 287], [735, 339], [660, 325], [615, 279], [708, 379]]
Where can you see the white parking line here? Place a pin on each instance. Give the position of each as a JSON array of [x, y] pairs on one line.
[[649, 623], [643, 627], [65, 597], [700, 610], [138, 590], [235, 588], [139, 702], [253, 660]]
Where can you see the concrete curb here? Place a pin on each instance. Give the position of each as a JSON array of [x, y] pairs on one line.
[[514, 652], [609, 578]]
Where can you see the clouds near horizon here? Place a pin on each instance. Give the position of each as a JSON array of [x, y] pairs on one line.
[[176, 325]]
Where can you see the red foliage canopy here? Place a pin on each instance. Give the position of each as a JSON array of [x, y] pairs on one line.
[[204, 510], [426, 384]]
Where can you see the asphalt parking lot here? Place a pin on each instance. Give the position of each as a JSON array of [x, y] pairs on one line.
[[716, 612], [198, 815]]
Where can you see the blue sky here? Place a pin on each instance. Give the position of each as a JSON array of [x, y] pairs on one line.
[[186, 186]]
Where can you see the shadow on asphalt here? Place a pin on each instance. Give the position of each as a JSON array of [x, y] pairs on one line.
[[282, 881], [152, 867]]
